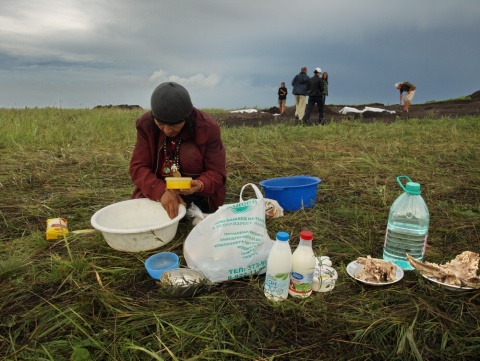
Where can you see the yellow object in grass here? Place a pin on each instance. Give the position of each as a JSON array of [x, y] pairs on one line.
[[178, 182], [56, 228]]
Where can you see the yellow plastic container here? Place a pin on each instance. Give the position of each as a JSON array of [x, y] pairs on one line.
[[178, 182], [56, 228]]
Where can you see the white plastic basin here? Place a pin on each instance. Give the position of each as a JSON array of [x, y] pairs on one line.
[[136, 225]]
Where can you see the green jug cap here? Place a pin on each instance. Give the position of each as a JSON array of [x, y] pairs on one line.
[[410, 187], [413, 188]]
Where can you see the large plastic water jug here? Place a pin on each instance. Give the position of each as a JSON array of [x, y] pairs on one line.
[[407, 228]]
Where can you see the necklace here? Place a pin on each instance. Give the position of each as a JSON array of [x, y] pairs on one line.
[[171, 164]]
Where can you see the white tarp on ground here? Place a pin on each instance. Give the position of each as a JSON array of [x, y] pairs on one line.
[[244, 111], [347, 110]]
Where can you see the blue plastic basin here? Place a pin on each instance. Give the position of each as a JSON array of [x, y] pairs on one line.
[[292, 193]]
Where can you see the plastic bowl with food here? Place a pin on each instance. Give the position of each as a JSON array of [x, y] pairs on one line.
[[183, 283]]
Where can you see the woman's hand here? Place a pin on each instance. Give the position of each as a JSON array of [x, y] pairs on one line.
[[196, 186], [170, 200]]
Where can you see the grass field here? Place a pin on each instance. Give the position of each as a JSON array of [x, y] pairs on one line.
[[78, 299]]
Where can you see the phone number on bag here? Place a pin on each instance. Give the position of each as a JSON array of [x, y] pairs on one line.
[[245, 271]]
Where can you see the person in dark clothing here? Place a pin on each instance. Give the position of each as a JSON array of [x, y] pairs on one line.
[[325, 91], [175, 139], [282, 97], [325, 86], [300, 85], [315, 96]]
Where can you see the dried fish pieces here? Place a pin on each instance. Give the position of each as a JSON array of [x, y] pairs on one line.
[[376, 270], [461, 271]]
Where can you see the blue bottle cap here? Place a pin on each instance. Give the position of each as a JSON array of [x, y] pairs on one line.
[[413, 188], [283, 236]]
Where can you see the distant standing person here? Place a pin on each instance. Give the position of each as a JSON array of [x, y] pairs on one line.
[[315, 96], [282, 97], [300, 85], [325, 86], [409, 88], [325, 89]]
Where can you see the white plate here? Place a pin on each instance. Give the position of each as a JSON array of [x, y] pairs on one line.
[[354, 268], [449, 287]]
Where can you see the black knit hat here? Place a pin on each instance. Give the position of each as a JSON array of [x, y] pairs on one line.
[[171, 103]]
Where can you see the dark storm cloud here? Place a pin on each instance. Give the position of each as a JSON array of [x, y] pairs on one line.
[[234, 54]]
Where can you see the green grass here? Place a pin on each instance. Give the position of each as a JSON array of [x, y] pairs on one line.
[[78, 299], [458, 99]]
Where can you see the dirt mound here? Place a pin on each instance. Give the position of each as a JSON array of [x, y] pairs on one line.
[[470, 106], [475, 96], [120, 106]]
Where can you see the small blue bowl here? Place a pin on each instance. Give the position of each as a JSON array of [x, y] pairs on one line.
[[161, 262]]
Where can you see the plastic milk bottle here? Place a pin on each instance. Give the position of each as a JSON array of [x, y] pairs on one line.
[[279, 265], [303, 267]]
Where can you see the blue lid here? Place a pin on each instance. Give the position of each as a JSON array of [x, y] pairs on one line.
[[283, 236]]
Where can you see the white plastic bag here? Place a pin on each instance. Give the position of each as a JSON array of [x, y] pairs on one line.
[[231, 243], [195, 214]]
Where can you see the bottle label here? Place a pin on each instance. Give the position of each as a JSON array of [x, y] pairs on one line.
[[301, 282], [276, 284]]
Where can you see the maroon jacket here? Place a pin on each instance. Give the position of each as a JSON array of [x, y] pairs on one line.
[[202, 156]]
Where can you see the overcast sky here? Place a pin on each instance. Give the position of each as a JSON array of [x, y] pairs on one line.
[[234, 54]]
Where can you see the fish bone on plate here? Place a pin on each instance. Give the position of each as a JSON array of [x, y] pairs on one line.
[[355, 270], [447, 286], [454, 275]]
